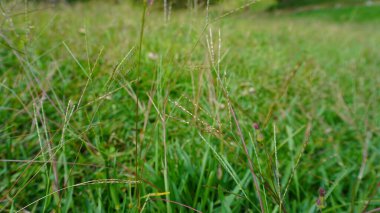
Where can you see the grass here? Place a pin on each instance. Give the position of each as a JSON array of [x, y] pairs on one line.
[[306, 3], [73, 80], [358, 14]]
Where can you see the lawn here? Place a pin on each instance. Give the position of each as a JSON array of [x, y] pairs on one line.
[[105, 108], [344, 14]]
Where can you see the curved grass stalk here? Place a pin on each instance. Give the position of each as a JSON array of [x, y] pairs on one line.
[[91, 182]]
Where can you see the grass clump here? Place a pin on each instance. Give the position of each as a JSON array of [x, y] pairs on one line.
[[108, 107]]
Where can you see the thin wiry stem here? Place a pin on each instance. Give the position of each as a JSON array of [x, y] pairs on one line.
[[306, 142], [276, 173], [163, 121], [374, 210], [250, 164], [50, 161], [137, 118], [91, 182], [183, 205]]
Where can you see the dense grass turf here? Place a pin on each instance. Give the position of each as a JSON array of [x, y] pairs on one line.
[[303, 3], [91, 103], [344, 14]]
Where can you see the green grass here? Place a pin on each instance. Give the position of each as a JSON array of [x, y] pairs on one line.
[[306, 3], [359, 14], [68, 83]]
